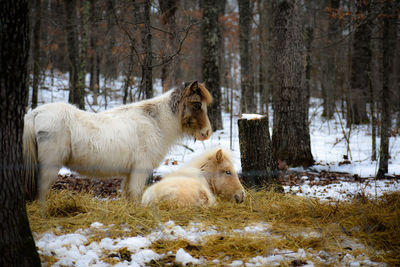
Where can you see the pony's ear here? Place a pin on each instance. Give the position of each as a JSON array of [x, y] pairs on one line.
[[192, 88], [218, 155], [205, 93], [200, 89]]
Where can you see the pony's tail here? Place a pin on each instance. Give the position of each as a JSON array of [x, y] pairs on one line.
[[30, 154]]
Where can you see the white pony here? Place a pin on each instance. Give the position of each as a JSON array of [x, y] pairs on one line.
[[126, 141], [197, 183]]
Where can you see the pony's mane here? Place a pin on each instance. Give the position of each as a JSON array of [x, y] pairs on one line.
[[201, 159], [177, 95], [187, 171]]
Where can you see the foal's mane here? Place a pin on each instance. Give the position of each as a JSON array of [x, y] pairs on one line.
[[199, 161]]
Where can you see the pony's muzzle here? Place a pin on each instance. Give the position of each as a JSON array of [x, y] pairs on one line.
[[203, 135], [239, 197]]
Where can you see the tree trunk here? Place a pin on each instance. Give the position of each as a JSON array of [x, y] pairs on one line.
[[36, 52], [258, 164], [129, 75], [263, 102], [147, 76], [397, 81], [211, 47], [329, 72], [388, 46], [73, 54], [291, 137], [97, 75], [169, 77], [309, 40], [357, 110], [223, 70], [247, 100], [372, 107], [17, 247], [94, 53], [110, 69], [84, 45]]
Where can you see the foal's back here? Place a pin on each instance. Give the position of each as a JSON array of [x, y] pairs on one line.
[[185, 187]]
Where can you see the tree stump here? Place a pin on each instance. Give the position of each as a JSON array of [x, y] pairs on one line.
[[259, 168]]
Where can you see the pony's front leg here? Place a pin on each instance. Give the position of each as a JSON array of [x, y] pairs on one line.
[[135, 182]]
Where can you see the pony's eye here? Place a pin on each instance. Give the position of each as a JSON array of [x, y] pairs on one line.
[[196, 106], [228, 172]]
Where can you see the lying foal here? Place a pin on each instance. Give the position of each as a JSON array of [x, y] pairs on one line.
[[197, 183]]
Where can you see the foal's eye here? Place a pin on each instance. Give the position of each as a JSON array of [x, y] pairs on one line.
[[228, 172], [196, 106]]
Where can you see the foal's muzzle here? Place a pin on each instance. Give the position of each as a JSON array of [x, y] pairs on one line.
[[239, 197]]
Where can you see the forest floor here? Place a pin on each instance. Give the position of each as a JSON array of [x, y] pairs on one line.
[[100, 228], [89, 224], [332, 214]]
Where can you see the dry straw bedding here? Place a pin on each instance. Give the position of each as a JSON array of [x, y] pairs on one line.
[[294, 222]]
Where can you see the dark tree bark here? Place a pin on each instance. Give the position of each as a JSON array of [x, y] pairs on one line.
[[357, 110], [169, 70], [110, 70], [259, 167], [73, 53], [290, 137], [223, 69], [389, 48], [262, 88], [211, 72], [36, 52], [147, 70], [247, 100], [129, 75], [94, 54], [309, 39], [329, 80], [83, 55], [17, 247]]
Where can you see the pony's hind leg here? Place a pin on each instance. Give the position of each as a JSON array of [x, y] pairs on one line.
[[51, 158], [47, 176]]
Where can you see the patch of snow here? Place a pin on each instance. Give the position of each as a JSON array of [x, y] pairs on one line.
[[236, 263], [169, 231], [96, 225], [184, 258], [144, 256], [273, 260], [252, 116]]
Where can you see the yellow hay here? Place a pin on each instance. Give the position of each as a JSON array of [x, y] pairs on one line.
[[294, 222]]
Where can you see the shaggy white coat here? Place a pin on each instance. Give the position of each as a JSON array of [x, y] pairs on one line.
[[125, 141]]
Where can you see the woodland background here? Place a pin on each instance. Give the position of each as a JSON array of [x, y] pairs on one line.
[[267, 53], [270, 55]]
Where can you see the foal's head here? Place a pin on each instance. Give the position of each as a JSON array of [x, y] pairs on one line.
[[190, 104], [222, 177]]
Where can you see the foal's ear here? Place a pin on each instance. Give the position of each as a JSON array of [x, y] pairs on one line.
[[218, 156]]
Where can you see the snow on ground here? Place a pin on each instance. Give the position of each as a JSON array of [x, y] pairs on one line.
[[75, 250], [328, 147]]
